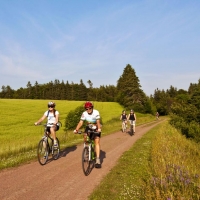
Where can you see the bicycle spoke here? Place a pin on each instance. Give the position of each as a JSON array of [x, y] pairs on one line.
[[42, 152], [86, 161]]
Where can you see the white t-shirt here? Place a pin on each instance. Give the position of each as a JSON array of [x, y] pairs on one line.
[[90, 118], [51, 119]]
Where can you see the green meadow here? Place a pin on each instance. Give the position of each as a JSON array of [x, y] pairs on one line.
[[19, 137]]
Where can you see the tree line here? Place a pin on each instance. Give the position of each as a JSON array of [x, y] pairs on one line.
[[182, 105], [127, 92]]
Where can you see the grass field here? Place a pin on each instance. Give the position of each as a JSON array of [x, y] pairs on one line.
[[19, 137]]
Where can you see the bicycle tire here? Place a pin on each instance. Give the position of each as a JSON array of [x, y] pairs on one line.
[[123, 127], [86, 161], [56, 151], [131, 130], [42, 152]]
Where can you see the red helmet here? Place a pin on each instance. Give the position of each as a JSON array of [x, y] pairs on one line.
[[88, 104]]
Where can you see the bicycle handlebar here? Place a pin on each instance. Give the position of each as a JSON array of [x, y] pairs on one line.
[[89, 131]]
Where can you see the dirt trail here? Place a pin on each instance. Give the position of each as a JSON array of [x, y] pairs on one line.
[[63, 178]]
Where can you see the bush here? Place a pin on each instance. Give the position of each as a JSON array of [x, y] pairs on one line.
[[73, 118]]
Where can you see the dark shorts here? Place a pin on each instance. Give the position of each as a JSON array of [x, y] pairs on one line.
[[48, 128], [92, 135]]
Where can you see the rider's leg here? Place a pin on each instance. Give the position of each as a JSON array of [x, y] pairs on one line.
[[97, 149], [53, 133], [134, 126]]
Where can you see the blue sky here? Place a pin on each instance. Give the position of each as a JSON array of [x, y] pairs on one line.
[[70, 40]]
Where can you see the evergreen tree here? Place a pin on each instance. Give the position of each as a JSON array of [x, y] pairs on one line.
[[130, 94]]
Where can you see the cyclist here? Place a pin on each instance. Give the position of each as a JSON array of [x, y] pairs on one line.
[[157, 115], [92, 117], [124, 117], [132, 117], [52, 116]]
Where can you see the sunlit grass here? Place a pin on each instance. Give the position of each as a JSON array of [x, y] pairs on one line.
[[19, 135], [163, 164]]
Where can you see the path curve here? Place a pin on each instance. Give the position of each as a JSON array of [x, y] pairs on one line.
[[63, 179]]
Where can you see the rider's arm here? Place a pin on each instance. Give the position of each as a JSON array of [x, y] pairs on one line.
[[79, 125], [128, 117], [120, 117], [98, 125], [135, 116], [40, 120]]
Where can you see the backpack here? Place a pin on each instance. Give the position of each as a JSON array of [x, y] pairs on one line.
[[59, 123]]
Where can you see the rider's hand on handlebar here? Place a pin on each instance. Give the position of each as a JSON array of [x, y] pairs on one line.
[[36, 123], [75, 131], [99, 130]]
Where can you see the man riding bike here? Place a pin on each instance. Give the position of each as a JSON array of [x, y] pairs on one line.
[[92, 117]]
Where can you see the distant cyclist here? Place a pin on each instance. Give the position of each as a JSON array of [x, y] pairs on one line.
[[124, 117], [132, 117], [52, 116], [92, 117], [157, 115]]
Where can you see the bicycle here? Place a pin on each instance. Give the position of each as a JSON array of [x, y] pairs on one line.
[[123, 126], [88, 153], [46, 147], [131, 128]]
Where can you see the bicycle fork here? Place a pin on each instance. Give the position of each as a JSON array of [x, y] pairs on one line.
[[90, 151]]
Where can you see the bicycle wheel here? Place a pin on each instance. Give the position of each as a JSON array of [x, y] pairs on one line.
[[131, 130], [123, 127], [85, 161], [42, 152], [56, 151]]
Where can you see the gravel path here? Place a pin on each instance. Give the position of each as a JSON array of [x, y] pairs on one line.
[[63, 179]]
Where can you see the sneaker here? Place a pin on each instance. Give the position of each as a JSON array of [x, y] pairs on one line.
[[97, 164]]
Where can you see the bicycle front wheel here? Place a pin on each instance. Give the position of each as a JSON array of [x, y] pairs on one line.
[[56, 151], [131, 130], [42, 152], [86, 161], [123, 127]]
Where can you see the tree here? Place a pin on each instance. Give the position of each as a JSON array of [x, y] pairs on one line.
[[130, 94]]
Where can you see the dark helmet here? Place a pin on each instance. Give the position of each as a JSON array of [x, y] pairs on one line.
[[51, 104], [88, 104]]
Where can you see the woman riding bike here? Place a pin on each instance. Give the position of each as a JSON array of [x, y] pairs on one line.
[[124, 117]]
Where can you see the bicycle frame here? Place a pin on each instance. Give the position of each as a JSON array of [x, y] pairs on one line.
[[88, 154]]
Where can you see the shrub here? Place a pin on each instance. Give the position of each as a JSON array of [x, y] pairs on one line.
[[73, 118]]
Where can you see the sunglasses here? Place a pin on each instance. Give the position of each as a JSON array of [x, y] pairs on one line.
[[88, 109], [50, 106]]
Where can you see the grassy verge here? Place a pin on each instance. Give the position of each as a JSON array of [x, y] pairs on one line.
[[161, 165]]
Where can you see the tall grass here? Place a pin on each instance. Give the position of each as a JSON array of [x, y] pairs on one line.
[[162, 165], [175, 167]]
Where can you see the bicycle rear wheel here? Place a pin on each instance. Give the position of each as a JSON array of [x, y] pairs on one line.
[[85, 161], [56, 151], [42, 152]]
